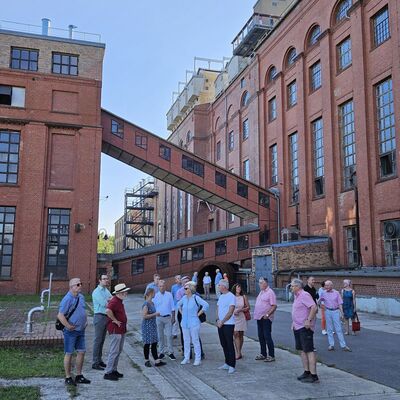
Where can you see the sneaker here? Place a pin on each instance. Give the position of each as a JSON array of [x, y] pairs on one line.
[[231, 370], [148, 364], [70, 382], [160, 364], [310, 379], [196, 363], [161, 356], [324, 332], [172, 357], [203, 356], [110, 377], [81, 379], [331, 348], [118, 374], [260, 357], [346, 348], [185, 361], [305, 374], [225, 366], [269, 359], [102, 364], [98, 367]]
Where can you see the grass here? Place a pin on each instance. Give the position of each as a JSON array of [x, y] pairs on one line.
[[35, 298], [20, 393], [31, 362]]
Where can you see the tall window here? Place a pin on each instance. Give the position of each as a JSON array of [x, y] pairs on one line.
[[272, 74], [348, 137], [315, 76], [344, 54], [188, 212], [314, 35], [9, 156], [246, 169], [272, 109], [380, 23], [273, 151], [318, 152], [342, 10], [57, 242], [245, 129], [65, 64], [386, 128], [245, 99], [291, 57], [294, 168], [25, 59], [218, 150], [7, 224], [231, 141], [243, 242], [180, 211], [292, 94], [391, 241], [351, 245]]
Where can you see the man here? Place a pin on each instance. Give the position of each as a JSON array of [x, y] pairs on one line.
[[154, 284], [226, 324], [333, 313], [218, 277], [116, 327], [194, 277], [164, 304], [73, 306], [309, 288], [179, 294], [264, 313], [174, 289], [207, 285], [304, 311], [100, 296]]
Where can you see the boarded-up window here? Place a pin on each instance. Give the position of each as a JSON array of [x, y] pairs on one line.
[[62, 161], [66, 102]]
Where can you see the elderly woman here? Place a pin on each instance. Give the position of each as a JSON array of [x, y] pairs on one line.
[[191, 307], [349, 304]]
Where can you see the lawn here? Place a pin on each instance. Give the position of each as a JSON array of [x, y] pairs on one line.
[[20, 393], [31, 362]]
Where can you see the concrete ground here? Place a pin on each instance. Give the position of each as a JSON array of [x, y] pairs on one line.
[[252, 380]]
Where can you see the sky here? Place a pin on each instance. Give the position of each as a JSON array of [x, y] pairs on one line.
[[149, 46]]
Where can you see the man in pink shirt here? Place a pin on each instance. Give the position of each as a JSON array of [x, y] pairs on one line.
[[303, 315], [333, 313], [263, 314]]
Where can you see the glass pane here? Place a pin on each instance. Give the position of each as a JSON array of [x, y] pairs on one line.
[[74, 60], [65, 59], [56, 68], [34, 55], [73, 70], [57, 58], [24, 54], [64, 69], [24, 64]]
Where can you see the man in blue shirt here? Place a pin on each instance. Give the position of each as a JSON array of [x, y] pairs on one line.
[[100, 297], [174, 289], [218, 277], [154, 284], [74, 331]]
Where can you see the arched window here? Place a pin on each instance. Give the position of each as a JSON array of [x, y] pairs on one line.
[[245, 99], [342, 10], [291, 57], [188, 137], [314, 35], [271, 74]]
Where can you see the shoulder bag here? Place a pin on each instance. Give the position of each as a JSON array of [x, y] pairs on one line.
[[59, 325], [246, 313], [202, 316]]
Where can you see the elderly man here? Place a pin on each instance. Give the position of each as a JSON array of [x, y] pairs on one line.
[[165, 306], [264, 313], [100, 297], [194, 277], [154, 284], [226, 324], [72, 315], [116, 328], [303, 315], [207, 285], [218, 277], [310, 288], [333, 313]]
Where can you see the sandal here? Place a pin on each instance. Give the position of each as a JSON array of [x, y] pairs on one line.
[[239, 357], [260, 357]]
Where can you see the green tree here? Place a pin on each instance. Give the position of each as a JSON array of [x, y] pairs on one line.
[[105, 246]]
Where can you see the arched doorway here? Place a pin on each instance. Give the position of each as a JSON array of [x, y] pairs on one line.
[[211, 267]]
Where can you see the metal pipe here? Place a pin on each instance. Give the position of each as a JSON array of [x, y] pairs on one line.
[[45, 26], [50, 284], [28, 323], [43, 294]]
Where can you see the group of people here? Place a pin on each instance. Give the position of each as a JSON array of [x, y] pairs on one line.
[[182, 309]]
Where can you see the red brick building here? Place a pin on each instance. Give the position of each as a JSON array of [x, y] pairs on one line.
[[50, 146], [309, 112]]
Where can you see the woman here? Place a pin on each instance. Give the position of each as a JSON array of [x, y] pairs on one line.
[[207, 285], [321, 291], [349, 304], [189, 306], [242, 305], [149, 329]]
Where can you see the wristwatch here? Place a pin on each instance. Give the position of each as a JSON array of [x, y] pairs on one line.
[[267, 315]]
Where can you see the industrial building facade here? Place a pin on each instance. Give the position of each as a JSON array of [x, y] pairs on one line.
[[307, 110]]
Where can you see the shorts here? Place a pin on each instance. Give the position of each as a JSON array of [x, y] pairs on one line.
[[304, 340], [74, 340]]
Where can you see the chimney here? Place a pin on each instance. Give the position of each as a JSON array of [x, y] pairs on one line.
[[45, 26], [71, 31]]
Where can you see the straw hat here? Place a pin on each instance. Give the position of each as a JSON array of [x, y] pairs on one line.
[[120, 288]]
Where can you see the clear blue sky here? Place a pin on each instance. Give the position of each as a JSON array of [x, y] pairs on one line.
[[149, 46]]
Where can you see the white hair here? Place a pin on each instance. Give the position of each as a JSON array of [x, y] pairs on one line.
[[224, 282], [297, 282]]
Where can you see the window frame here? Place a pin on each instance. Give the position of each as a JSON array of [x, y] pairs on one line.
[[29, 61], [137, 270], [272, 109], [318, 157], [291, 94], [342, 55], [374, 26], [294, 168], [62, 64], [243, 242], [245, 129], [119, 131], [231, 141], [314, 76], [273, 152], [162, 260], [8, 229], [9, 168], [218, 151], [220, 247]]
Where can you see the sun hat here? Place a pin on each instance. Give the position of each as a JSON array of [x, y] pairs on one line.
[[120, 288]]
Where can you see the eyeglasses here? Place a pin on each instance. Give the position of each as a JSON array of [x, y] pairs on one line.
[[186, 288], [78, 284], [104, 279]]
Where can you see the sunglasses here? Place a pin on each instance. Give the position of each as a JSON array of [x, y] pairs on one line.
[[186, 288], [78, 284]]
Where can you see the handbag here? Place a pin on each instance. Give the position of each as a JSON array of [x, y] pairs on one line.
[[247, 314], [59, 324], [355, 324], [202, 316]]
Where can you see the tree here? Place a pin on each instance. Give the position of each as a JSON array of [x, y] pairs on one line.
[[105, 246]]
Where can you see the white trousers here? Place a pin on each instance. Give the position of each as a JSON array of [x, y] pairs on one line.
[[191, 335], [333, 324]]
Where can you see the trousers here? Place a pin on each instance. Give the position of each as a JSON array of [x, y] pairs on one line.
[[333, 324], [225, 334], [264, 328], [100, 330], [164, 330], [116, 346], [191, 335]]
